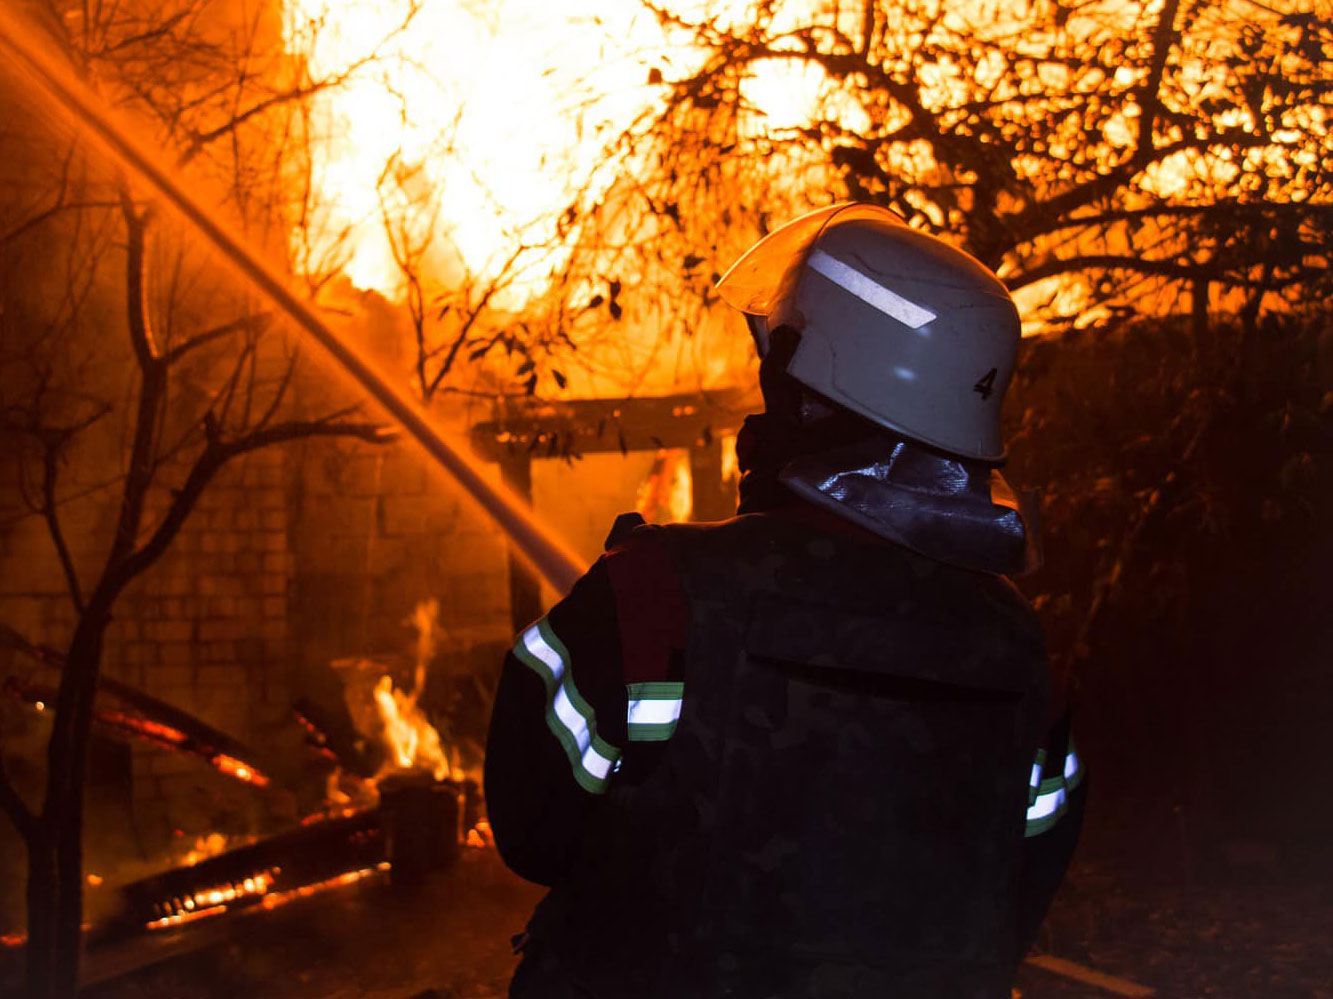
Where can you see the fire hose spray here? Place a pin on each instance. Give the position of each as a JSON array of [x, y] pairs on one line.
[[551, 558]]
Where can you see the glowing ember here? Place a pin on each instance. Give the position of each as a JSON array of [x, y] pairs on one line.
[[241, 771], [166, 922], [480, 835], [275, 899], [204, 847], [215, 900]]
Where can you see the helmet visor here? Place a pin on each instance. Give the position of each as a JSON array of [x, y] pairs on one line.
[[765, 274]]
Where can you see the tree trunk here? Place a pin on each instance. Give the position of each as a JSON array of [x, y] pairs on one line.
[[55, 859], [39, 953]]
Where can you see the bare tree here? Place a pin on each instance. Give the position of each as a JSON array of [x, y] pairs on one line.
[[131, 345], [454, 313], [1103, 157]]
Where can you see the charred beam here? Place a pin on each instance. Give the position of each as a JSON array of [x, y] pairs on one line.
[[264, 873], [335, 738], [415, 830]]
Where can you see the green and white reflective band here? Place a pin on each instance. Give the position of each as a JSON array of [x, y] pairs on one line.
[[653, 710], [569, 717], [1035, 782], [1052, 795]]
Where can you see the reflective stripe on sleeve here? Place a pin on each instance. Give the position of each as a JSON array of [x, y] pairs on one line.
[[570, 718], [1034, 783], [653, 710], [1049, 799]]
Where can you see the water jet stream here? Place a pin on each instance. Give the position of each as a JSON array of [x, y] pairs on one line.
[[554, 560]]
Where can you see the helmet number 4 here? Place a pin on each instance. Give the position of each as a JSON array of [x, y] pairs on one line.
[[985, 386]]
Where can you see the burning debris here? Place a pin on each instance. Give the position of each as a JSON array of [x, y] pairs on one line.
[[267, 872], [397, 801]]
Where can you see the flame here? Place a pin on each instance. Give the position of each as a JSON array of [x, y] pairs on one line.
[[463, 130], [731, 465], [474, 111], [668, 491], [413, 742]]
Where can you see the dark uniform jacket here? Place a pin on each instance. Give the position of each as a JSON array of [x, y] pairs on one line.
[[780, 756]]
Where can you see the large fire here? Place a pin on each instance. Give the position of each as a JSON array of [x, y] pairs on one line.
[[460, 133], [471, 126]]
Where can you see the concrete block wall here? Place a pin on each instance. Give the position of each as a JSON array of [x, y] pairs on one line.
[[208, 630], [375, 531]]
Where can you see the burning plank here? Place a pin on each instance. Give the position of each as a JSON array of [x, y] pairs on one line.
[[156, 722], [149, 719]]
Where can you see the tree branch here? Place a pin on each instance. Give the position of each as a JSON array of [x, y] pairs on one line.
[[152, 390], [50, 513], [14, 807], [1227, 208], [1150, 103], [1213, 271], [215, 455], [32, 221], [216, 333], [136, 274]]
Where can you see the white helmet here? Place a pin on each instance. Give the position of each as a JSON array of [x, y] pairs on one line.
[[896, 325]]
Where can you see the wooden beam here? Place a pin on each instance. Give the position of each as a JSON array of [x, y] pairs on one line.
[[588, 426], [1097, 979]]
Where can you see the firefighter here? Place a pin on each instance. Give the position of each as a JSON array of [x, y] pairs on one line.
[[812, 751]]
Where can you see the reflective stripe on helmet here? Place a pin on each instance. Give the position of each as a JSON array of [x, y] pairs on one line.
[[871, 292], [569, 717]]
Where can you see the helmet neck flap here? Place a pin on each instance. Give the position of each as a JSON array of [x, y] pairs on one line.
[[806, 447]]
